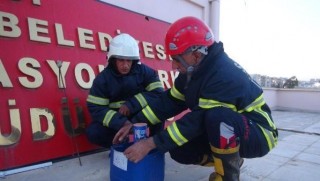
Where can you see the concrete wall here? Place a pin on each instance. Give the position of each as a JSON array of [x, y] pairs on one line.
[[166, 10], [171, 10], [293, 99]]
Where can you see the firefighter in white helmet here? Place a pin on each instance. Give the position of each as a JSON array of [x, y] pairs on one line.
[[228, 118], [122, 89]]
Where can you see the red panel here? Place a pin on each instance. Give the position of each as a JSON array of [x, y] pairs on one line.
[[89, 14]]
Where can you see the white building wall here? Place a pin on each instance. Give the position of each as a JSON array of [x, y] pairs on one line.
[[171, 10], [307, 100], [270, 96], [165, 10]]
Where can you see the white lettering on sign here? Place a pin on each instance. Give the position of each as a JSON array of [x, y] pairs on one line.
[[37, 133], [160, 49], [9, 25], [30, 66], [14, 137], [4, 77], [102, 39], [37, 29], [39, 32], [34, 78], [164, 77], [147, 49], [85, 36], [36, 2], [60, 74], [83, 67], [60, 36]]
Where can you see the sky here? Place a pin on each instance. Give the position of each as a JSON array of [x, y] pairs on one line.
[[276, 38]]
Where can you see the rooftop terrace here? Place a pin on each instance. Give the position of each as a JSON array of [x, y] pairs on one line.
[[296, 157]]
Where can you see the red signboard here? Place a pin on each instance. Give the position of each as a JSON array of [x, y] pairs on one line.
[[43, 106]]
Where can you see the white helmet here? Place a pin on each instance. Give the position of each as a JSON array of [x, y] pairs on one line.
[[123, 46]]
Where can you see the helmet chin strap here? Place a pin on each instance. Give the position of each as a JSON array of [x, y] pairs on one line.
[[190, 69]]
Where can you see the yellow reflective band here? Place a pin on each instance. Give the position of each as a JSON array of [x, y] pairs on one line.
[[153, 86], [98, 100], [108, 117], [224, 151], [209, 103], [116, 105], [266, 115], [218, 167], [142, 101], [175, 134], [269, 136], [148, 113], [176, 94], [255, 104]]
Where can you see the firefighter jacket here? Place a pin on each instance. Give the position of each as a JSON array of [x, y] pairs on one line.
[[110, 90], [217, 81]]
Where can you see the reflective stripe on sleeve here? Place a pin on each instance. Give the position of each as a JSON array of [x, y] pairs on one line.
[[176, 94], [266, 116], [272, 141], [209, 103], [175, 134], [154, 85], [116, 105], [255, 104], [148, 113], [142, 101], [98, 100], [107, 118]]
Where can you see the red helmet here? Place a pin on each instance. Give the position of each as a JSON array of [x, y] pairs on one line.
[[187, 32]]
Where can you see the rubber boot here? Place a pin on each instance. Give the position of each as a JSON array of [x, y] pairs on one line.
[[207, 160], [213, 175], [227, 164]]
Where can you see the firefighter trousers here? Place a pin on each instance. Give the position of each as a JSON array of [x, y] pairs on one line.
[[224, 129]]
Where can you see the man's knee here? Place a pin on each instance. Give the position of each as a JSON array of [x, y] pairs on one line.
[[100, 135], [218, 115], [92, 134], [192, 152], [176, 157], [183, 158], [221, 127]]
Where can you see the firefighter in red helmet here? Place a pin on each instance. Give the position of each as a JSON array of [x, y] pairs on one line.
[[228, 118]]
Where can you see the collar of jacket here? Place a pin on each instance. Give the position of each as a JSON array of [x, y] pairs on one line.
[[206, 64], [133, 70]]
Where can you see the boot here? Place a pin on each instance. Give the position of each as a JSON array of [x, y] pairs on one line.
[[207, 160], [227, 164], [213, 175]]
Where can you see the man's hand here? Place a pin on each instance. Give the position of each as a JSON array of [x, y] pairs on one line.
[[122, 133], [139, 150], [124, 110]]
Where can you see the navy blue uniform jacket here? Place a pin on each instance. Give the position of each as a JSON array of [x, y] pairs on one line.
[[110, 90], [217, 81]]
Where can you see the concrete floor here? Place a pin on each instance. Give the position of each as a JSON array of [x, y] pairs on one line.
[[296, 157]]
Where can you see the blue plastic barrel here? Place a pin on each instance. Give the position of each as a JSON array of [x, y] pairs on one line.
[[150, 168]]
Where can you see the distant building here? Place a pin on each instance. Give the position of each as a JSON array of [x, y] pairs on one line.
[[278, 82]]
